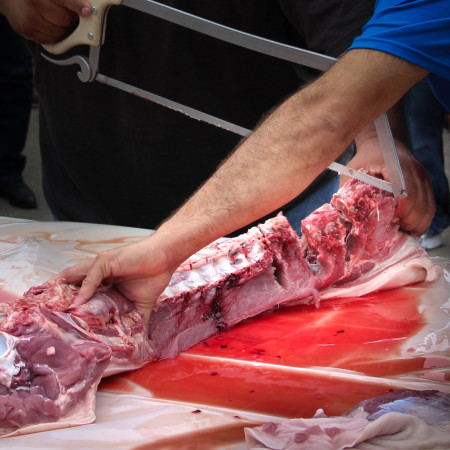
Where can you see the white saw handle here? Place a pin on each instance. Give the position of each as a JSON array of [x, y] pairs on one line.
[[90, 30]]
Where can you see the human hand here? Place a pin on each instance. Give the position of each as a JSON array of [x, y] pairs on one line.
[[415, 211], [140, 271], [44, 21]]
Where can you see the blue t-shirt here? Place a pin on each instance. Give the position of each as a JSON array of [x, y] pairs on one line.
[[417, 31]]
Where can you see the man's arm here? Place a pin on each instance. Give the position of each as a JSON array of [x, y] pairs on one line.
[[295, 143], [44, 21], [269, 168]]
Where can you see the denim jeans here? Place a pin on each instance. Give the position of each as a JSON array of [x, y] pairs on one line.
[[425, 120]]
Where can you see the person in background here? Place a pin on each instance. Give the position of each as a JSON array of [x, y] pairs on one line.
[[16, 85], [425, 118]]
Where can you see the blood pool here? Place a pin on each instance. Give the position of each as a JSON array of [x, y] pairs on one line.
[[292, 361]]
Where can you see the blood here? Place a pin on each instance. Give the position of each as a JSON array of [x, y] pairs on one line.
[[279, 362], [362, 334], [272, 390], [6, 296]]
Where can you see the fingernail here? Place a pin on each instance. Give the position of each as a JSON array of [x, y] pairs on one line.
[[85, 11]]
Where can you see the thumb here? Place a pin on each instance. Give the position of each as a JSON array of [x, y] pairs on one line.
[[83, 8]]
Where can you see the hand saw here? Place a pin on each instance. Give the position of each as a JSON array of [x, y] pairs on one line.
[[91, 31]]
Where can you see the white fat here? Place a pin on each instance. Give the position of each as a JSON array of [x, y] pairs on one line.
[[204, 273], [215, 262], [211, 271], [8, 369], [224, 267], [256, 252]]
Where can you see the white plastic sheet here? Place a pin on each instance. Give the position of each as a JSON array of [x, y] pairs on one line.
[[173, 415]]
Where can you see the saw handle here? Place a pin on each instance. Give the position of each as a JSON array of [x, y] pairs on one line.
[[90, 30]]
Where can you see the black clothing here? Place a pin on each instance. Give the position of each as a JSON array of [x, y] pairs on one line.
[[110, 157], [16, 86]]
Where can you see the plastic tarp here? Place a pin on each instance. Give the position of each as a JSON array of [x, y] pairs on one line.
[[282, 364]]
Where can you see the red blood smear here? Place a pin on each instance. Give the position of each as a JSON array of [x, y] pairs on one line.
[[360, 334], [6, 296], [365, 335], [281, 392]]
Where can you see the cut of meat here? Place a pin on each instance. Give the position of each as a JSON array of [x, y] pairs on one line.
[[350, 247], [229, 281], [108, 318], [325, 245], [353, 234], [52, 356], [47, 379], [356, 244]]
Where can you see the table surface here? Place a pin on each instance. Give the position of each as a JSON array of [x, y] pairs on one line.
[[284, 363]]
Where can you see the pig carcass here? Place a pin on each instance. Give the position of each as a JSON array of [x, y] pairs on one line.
[[53, 356]]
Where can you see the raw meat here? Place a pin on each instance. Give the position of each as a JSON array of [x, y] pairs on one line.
[[362, 245], [403, 419], [229, 281], [52, 356], [350, 247]]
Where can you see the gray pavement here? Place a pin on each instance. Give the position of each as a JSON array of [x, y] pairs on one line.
[[33, 178]]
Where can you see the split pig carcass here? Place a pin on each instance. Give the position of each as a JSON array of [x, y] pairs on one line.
[[53, 355]]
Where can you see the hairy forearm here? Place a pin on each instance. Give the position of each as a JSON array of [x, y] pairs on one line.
[[267, 170], [397, 124], [284, 154]]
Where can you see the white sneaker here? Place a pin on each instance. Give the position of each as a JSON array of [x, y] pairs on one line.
[[431, 242]]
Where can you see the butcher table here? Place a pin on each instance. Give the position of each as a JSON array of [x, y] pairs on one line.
[[282, 364]]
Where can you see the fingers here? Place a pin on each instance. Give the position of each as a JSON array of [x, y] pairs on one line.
[[89, 274], [58, 17], [76, 275], [108, 266], [81, 7], [144, 292], [45, 21], [88, 287], [415, 212], [100, 271]]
